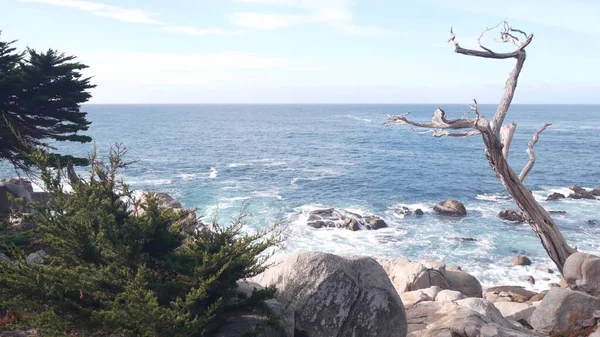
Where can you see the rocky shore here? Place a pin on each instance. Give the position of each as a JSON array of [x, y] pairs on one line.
[[326, 295]]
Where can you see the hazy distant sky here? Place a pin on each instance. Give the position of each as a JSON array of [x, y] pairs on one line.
[[312, 51]]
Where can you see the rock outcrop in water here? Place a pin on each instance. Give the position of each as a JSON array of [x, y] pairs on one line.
[[512, 215], [555, 196], [581, 193], [450, 208], [337, 218]]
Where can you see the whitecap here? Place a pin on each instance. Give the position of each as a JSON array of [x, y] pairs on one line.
[[150, 182], [493, 197], [267, 194], [360, 119], [213, 173], [233, 165]]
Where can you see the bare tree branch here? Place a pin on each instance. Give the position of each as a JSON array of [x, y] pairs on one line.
[[441, 133], [438, 121], [506, 134], [529, 166]]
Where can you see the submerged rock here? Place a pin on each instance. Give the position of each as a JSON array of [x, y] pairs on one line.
[[337, 218], [450, 208], [419, 212]]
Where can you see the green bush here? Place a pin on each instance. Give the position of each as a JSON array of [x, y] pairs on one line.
[[110, 270]]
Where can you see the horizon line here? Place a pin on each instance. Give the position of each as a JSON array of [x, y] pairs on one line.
[[334, 103]]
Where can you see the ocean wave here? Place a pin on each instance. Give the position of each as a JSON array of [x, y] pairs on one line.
[[267, 194], [213, 173], [150, 182], [493, 197], [233, 165]]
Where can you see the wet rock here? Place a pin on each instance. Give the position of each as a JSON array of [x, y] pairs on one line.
[[338, 218], [451, 208], [402, 210], [590, 222], [555, 196], [596, 192], [557, 212], [520, 260], [530, 279], [580, 193], [462, 238], [512, 215], [376, 223], [546, 270], [419, 212], [538, 297]]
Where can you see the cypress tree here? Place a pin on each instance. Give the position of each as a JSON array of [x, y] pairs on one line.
[[40, 97]]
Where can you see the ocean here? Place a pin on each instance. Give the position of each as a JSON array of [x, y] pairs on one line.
[[286, 160]]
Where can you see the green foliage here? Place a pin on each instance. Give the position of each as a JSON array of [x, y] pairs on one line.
[[40, 95], [118, 266]]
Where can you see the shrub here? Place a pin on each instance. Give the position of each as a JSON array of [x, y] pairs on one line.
[[110, 270]]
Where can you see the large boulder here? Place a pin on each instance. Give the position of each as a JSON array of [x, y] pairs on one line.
[[450, 208], [163, 200], [565, 309], [410, 276], [335, 296], [582, 272], [471, 317], [596, 192], [464, 282], [555, 196], [339, 218], [581, 193]]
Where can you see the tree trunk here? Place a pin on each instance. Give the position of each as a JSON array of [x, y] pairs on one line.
[[539, 219]]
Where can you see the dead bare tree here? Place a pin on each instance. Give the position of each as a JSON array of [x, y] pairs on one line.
[[498, 137]]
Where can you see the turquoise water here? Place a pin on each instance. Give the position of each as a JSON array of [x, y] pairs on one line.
[[288, 159]]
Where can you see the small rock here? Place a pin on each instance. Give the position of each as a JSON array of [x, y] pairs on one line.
[[557, 212], [555, 196], [403, 210], [530, 279], [419, 212], [546, 270], [521, 260], [512, 215], [462, 238], [450, 208], [590, 222], [353, 225]]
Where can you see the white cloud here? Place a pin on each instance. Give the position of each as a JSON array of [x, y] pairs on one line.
[[190, 30], [335, 13], [130, 15], [117, 13], [263, 20]]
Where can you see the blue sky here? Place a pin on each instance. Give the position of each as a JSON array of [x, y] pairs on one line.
[[313, 51]]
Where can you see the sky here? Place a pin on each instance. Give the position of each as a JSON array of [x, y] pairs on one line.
[[313, 51]]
